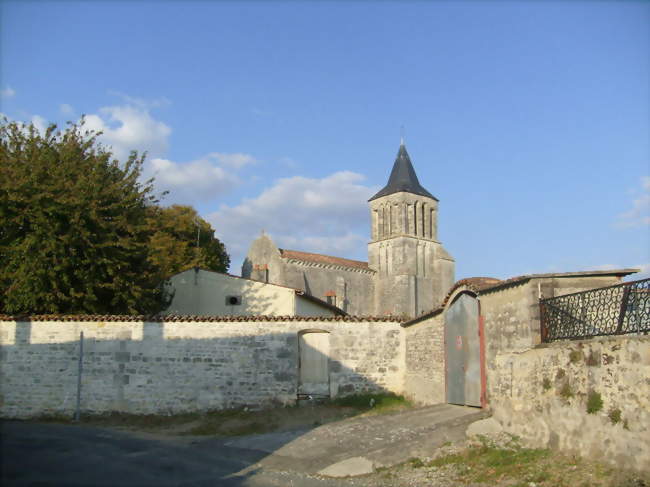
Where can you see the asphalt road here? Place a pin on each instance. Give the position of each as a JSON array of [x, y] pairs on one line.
[[37, 454], [67, 455]]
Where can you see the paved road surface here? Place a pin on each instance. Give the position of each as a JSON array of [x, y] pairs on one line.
[[70, 455]]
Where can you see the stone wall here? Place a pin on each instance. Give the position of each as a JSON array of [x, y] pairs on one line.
[[354, 288], [512, 316], [424, 373], [542, 396], [176, 366]]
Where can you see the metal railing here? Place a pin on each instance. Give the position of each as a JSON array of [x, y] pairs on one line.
[[615, 310]]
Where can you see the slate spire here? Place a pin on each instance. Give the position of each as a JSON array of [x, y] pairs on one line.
[[403, 177]]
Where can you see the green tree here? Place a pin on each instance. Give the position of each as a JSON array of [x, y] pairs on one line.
[[173, 247], [74, 236]]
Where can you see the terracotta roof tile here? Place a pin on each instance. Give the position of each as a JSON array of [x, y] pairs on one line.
[[204, 319], [322, 259]]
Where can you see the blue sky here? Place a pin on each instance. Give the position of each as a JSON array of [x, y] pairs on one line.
[[530, 121]]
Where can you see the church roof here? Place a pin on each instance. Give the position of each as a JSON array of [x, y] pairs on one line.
[[322, 259], [403, 177]]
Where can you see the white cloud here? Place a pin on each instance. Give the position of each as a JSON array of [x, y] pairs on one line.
[[127, 127], [40, 123], [328, 215], [639, 215], [143, 103], [236, 160], [190, 182], [66, 109], [644, 272], [7, 92], [288, 162]]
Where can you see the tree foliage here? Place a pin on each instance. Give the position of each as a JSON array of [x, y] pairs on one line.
[[75, 230], [174, 241]]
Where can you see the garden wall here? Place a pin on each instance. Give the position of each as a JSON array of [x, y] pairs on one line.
[[424, 373], [590, 398], [178, 366]]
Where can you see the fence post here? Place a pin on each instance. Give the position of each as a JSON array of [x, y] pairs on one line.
[[621, 314], [542, 321], [77, 413]]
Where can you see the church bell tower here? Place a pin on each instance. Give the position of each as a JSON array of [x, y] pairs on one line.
[[414, 271]]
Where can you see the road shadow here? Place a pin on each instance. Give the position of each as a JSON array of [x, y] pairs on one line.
[[154, 368]]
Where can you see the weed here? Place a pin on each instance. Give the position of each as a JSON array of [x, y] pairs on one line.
[[594, 402], [452, 459], [538, 477], [566, 391], [546, 383], [575, 356], [614, 415], [377, 402], [560, 374], [487, 462], [416, 463]]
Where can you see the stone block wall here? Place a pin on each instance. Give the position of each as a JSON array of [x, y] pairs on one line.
[[512, 315], [542, 395], [511, 322], [178, 366], [424, 373]]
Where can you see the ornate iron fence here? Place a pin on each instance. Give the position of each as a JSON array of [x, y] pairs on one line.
[[615, 310]]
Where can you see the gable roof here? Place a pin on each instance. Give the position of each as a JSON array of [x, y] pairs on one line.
[[403, 178], [322, 259]]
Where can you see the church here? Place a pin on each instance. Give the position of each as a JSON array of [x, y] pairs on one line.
[[408, 271]]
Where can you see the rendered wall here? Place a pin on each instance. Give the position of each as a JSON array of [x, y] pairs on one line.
[[204, 293], [424, 374], [541, 395], [170, 367]]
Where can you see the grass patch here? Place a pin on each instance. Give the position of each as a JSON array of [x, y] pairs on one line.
[[241, 421], [594, 402], [546, 383], [453, 459], [375, 402], [489, 463]]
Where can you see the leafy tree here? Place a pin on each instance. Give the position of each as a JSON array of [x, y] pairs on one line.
[[74, 236], [174, 241]]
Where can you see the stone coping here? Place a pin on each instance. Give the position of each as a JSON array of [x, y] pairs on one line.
[[195, 318]]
